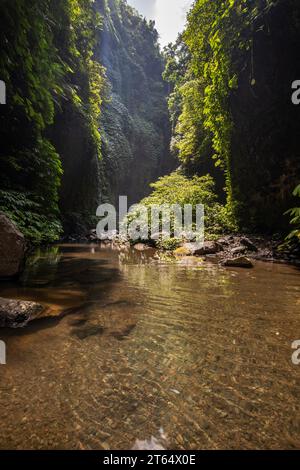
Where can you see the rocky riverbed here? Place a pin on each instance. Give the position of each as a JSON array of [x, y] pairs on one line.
[[223, 249], [139, 351], [230, 251]]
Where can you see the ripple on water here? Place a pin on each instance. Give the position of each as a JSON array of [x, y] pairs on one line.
[[150, 354]]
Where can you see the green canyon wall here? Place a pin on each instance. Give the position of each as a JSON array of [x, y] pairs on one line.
[[86, 117]]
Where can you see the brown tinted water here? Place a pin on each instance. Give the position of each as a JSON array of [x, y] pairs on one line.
[[138, 352]]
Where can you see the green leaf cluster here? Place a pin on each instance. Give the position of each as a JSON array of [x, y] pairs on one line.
[[294, 235], [179, 189]]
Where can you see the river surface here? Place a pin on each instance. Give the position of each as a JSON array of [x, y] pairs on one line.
[[141, 353]]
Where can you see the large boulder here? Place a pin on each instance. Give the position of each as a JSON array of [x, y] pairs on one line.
[[12, 248], [17, 313], [240, 262], [201, 249]]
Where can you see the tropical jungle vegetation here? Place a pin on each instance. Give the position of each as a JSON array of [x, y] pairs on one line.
[[96, 109], [231, 112]]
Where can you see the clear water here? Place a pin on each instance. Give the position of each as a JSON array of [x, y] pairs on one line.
[[140, 353]]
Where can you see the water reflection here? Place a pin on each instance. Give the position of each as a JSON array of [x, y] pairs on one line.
[[138, 352]]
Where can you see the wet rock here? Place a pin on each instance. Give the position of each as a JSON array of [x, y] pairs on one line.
[[17, 313], [12, 248], [198, 249], [248, 244], [191, 260], [238, 250], [208, 248], [240, 262], [225, 241], [123, 334]]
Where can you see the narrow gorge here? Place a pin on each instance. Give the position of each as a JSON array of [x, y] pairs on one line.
[[171, 335]]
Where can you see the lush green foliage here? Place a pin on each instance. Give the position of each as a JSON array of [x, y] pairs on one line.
[[84, 76], [229, 104], [25, 211], [294, 235], [46, 61], [205, 76], [29, 165], [176, 188], [230, 107], [135, 124]]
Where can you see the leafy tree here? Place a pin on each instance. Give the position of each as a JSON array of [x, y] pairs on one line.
[[177, 188]]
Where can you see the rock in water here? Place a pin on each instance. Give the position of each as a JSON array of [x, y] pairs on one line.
[[201, 249], [240, 262], [17, 313], [12, 248]]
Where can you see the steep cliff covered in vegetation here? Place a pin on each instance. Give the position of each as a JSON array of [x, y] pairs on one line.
[[59, 157], [50, 122], [231, 107], [135, 124], [86, 118]]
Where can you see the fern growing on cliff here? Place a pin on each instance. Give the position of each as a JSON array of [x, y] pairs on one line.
[[294, 235]]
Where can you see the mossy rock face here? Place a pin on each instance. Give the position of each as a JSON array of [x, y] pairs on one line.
[[135, 126]]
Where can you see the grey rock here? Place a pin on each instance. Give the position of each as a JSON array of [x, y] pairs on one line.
[[17, 313], [240, 262], [238, 250], [12, 248], [208, 248], [248, 244], [224, 241]]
